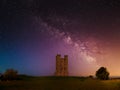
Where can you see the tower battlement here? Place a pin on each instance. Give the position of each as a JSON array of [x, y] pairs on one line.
[[61, 65]]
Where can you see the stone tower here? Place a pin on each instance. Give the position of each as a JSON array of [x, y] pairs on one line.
[[61, 65]]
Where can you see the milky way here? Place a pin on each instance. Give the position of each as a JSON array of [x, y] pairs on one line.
[[83, 51]]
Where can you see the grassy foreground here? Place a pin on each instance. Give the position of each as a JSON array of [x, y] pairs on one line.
[[59, 83]]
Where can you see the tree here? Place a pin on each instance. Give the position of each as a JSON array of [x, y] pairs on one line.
[[10, 74], [102, 73]]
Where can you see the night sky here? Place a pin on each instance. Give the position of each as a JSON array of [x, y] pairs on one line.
[[33, 32]]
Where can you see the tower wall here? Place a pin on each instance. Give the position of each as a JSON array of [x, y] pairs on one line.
[[61, 66]]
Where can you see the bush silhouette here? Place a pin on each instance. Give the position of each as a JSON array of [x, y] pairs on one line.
[[10, 74], [102, 73], [90, 76]]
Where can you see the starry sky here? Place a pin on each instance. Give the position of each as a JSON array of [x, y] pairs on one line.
[[33, 32]]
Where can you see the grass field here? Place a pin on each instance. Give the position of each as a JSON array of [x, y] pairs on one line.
[[59, 83]]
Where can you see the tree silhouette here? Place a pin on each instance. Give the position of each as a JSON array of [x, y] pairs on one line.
[[102, 73], [10, 74]]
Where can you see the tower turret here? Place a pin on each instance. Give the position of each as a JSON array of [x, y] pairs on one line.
[[66, 65]]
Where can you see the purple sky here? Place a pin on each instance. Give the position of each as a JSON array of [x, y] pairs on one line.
[[33, 32]]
